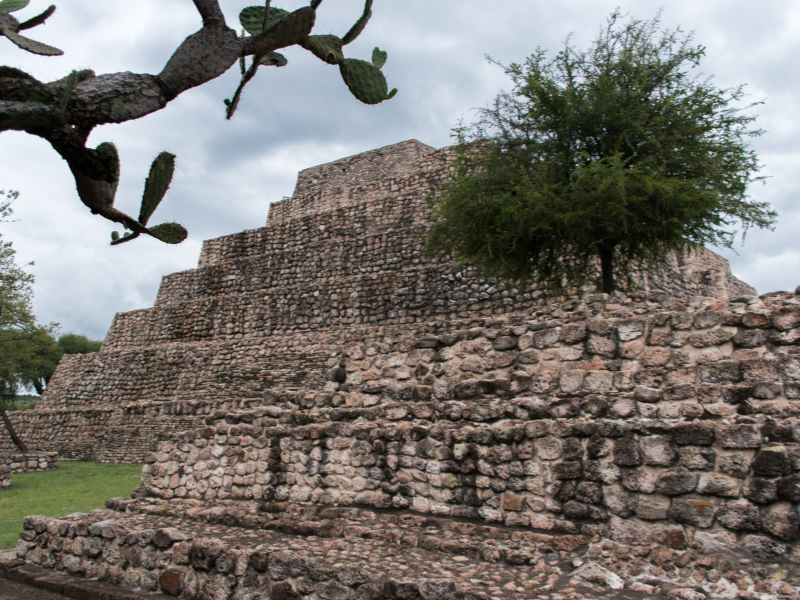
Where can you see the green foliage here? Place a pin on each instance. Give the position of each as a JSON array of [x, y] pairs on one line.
[[379, 57], [366, 80], [170, 233], [22, 403], [253, 21], [327, 48], [618, 152], [359, 26], [72, 79], [77, 343], [155, 188], [73, 487], [156, 185], [9, 6]]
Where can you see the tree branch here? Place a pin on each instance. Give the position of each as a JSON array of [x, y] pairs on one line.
[[210, 12]]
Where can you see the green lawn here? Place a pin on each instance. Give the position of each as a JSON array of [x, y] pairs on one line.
[[73, 487]]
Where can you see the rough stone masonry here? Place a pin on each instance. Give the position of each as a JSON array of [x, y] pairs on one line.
[[316, 398]]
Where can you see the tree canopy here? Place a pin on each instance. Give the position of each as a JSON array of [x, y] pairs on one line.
[[621, 153]]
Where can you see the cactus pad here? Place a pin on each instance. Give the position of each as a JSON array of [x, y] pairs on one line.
[[30, 45], [252, 18], [156, 185], [359, 26], [274, 59], [327, 48], [379, 57], [8, 6], [170, 233], [365, 80], [111, 149]]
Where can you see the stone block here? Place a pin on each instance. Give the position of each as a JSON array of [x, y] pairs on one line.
[[698, 512], [512, 501], [725, 371], [782, 521], [760, 491], [739, 436], [740, 516], [627, 452], [693, 434], [772, 461], [658, 451], [572, 381], [716, 484], [676, 482], [598, 381], [653, 508], [696, 458]]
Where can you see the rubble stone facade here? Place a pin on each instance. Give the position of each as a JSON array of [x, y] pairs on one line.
[[339, 260], [318, 379]]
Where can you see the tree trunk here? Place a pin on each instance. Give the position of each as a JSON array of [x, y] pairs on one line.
[[38, 385], [10, 428], [607, 269]]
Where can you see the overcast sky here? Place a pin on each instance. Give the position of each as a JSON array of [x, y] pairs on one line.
[[303, 115]]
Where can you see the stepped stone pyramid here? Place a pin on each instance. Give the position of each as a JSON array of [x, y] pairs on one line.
[[325, 414], [338, 261]]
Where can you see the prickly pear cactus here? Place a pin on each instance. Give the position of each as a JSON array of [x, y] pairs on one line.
[[170, 233], [111, 149], [156, 185], [379, 57], [10, 27], [327, 48], [8, 6], [252, 18], [365, 80]]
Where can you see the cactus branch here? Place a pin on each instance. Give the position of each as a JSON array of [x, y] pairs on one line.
[[291, 30], [38, 20], [359, 26], [65, 112], [210, 12]]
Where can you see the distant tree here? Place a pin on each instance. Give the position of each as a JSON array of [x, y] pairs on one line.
[[20, 335], [76, 343], [618, 152], [65, 112]]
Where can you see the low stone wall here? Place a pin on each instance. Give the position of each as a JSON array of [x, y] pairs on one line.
[[5, 476], [31, 462], [181, 564]]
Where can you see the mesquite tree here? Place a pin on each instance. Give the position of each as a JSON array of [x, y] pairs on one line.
[[617, 155], [65, 112]]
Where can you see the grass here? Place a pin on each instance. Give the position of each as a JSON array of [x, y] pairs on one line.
[[73, 487], [21, 403]]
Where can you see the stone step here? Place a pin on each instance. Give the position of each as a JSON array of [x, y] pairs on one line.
[[189, 557]]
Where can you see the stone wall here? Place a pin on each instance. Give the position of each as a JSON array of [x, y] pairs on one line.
[[339, 261], [31, 462], [25, 463], [624, 416]]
